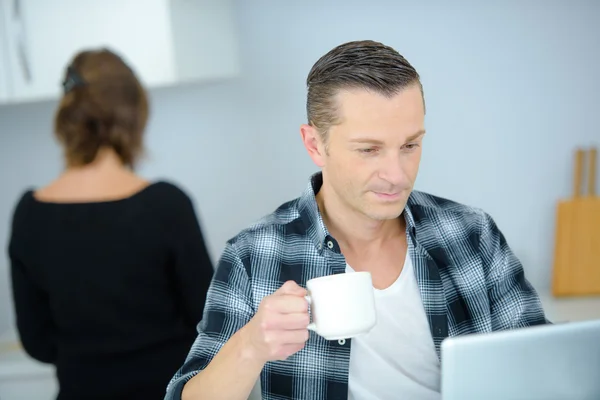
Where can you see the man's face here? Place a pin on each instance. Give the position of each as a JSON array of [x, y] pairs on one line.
[[372, 157]]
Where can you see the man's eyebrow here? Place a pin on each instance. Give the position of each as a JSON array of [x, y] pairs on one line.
[[368, 140]]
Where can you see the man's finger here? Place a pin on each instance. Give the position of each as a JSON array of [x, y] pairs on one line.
[[291, 321], [287, 304], [291, 287]]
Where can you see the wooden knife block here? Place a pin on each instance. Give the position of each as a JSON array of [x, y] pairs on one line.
[[576, 269]]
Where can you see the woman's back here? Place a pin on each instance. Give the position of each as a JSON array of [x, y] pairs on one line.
[[115, 282]]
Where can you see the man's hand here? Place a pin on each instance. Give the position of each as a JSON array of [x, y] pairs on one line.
[[279, 327]]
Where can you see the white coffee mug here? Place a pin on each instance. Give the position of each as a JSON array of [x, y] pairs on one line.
[[342, 306]]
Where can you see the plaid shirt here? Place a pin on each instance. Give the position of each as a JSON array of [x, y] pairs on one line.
[[469, 280]]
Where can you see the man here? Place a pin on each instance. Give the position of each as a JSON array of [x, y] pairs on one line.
[[439, 268]]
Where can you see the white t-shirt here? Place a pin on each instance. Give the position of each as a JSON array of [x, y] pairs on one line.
[[397, 358]]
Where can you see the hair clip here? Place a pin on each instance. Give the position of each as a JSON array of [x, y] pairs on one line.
[[72, 80]]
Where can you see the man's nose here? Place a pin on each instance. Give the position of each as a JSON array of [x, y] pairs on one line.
[[392, 169]]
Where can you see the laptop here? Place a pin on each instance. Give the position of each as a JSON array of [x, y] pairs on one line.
[[543, 362]]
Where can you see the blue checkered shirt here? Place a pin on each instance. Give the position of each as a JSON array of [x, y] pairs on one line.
[[469, 281]]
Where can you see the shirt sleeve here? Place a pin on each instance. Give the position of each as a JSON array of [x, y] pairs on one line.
[[513, 300], [228, 308], [35, 325]]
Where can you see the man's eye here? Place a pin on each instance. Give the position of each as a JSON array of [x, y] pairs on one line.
[[370, 150]]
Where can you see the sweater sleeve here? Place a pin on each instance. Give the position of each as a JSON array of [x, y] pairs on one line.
[[34, 320], [191, 264]]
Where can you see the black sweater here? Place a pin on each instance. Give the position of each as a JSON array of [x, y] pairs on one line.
[[110, 292]]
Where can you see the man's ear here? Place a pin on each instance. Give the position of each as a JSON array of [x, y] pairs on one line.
[[314, 144]]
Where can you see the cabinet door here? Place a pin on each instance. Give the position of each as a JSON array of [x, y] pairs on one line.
[[45, 35], [4, 70]]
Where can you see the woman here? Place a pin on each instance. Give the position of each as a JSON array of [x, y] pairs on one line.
[[109, 271]]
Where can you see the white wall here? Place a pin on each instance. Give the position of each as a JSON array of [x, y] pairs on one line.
[[511, 88]]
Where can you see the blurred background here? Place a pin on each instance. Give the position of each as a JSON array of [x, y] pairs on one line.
[[511, 89]]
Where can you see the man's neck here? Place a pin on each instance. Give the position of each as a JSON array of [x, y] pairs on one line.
[[353, 230]]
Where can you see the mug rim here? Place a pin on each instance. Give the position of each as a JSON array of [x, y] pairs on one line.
[[333, 276]]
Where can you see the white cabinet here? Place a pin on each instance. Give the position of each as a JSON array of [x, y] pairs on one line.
[[167, 42]]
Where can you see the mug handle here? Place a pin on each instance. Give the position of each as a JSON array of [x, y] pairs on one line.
[[311, 326]]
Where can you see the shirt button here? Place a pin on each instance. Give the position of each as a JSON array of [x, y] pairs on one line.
[[330, 244], [342, 342]]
